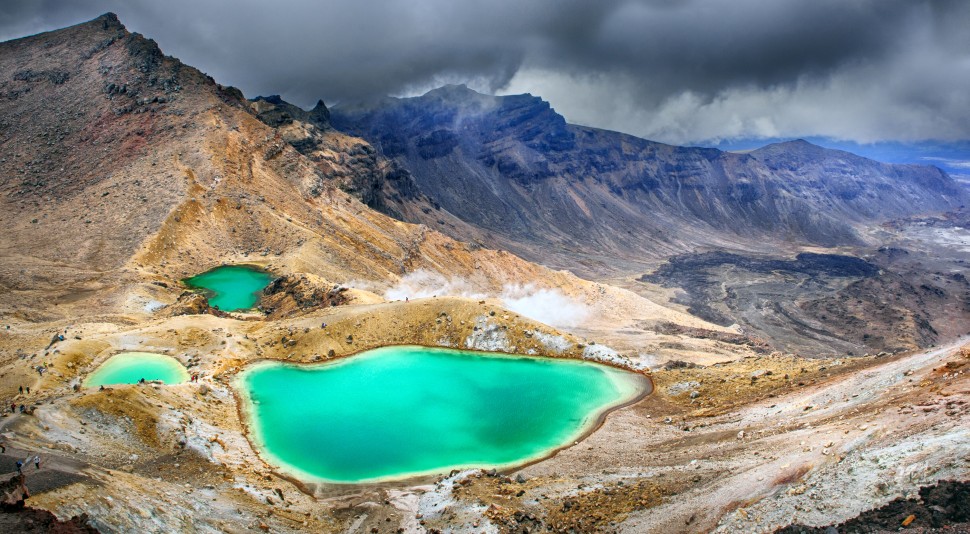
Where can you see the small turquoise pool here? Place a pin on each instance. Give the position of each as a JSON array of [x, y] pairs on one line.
[[397, 412], [130, 367], [231, 287]]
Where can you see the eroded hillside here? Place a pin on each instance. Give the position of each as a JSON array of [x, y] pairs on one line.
[[124, 171], [600, 202]]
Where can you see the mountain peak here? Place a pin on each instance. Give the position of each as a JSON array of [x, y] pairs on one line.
[[797, 144], [453, 90], [796, 147], [109, 20]]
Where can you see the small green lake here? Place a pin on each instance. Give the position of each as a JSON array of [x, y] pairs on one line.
[[231, 287], [404, 411], [130, 367]]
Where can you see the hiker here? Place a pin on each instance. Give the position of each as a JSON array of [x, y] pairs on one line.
[[23, 408], [13, 408], [37, 461], [141, 380], [21, 390], [20, 467], [101, 388], [28, 390]]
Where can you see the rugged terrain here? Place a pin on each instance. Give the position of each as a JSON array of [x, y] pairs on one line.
[[124, 171], [599, 202], [725, 229], [889, 300]]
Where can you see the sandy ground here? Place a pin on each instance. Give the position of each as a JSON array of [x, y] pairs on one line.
[[846, 441], [756, 442]]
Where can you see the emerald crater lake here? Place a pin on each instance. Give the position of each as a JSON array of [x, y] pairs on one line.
[[130, 367], [231, 287], [403, 411]]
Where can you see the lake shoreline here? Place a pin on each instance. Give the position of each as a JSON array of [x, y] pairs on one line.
[[638, 386]]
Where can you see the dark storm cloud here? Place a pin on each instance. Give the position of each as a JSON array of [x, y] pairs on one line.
[[677, 70]]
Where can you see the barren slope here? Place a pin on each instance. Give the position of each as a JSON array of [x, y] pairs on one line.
[[125, 167], [598, 202], [124, 170]]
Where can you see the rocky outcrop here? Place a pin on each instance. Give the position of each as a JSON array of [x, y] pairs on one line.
[[13, 493], [276, 112], [350, 163], [15, 516], [192, 303], [298, 293]]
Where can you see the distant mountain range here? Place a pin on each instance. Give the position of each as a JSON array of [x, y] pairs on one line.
[[592, 200], [121, 163], [951, 156]]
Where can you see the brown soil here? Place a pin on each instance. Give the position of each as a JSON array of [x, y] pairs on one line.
[[942, 507], [722, 387]]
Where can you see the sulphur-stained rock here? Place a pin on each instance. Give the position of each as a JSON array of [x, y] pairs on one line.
[[297, 293], [13, 492], [190, 303], [16, 517], [350, 163]]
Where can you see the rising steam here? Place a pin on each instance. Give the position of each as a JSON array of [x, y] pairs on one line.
[[549, 306]]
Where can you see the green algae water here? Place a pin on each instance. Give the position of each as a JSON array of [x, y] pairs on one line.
[[231, 287], [130, 367], [396, 412]]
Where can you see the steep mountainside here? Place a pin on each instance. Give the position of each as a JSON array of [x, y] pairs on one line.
[[354, 166], [587, 199], [123, 171], [122, 167]]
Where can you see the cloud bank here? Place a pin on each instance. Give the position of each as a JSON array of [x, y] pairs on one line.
[[685, 71]]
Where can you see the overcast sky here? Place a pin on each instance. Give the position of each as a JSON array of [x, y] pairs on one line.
[[680, 71]]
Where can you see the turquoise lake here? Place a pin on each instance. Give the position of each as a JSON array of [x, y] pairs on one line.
[[396, 412], [130, 367], [231, 287]]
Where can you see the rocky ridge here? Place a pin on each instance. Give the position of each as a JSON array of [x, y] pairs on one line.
[[573, 196], [156, 172]]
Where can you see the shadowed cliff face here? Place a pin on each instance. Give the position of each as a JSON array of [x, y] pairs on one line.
[[348, 162], [590, 199]]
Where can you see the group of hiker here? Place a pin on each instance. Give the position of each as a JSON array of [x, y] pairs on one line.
[[23, 407], [28, 460]]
